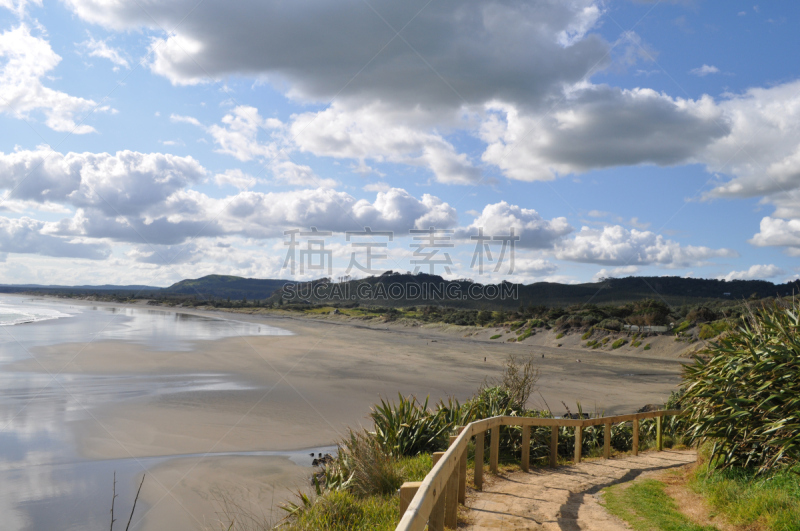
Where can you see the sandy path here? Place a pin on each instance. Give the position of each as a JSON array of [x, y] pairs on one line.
[[565, 498]]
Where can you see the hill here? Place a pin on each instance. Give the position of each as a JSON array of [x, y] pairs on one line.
[[403, 290], [225, 287], [396, 290]]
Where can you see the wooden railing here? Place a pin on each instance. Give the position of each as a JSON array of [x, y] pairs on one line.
[[434, 501]]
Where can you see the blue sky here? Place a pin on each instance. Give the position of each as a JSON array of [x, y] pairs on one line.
[[146, 142]]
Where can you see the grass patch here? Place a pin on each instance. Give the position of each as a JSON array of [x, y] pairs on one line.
[[646, 347], [591, 343], [645, 506], [588, 334], [618, 343], [495, 336], [712, 330], [340, 510], [681, 327], [636, 344], [526, 334], [560, 335], [766, 502]]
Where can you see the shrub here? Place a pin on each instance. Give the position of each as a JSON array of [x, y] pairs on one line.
[[495, 336], [636, 344], [408, 427], [369, 469], [618, 343], [587, 335], [681, 327], [646, 347], [710, 330], [341, 510], [701, 315], [744, 394], [610, 324], [560, 335], [591, 343]]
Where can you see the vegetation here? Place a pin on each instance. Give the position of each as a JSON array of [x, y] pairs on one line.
[[645, 506], [618, 343], [743, 393], [767, 501], [496, 336]]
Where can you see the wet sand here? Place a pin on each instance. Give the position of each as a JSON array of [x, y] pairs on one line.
[[304, 390]]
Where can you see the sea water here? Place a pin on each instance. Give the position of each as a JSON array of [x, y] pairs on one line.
[[44, 481]]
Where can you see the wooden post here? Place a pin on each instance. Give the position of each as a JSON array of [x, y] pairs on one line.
[[553, 446], [451, 504], [494, 449], [607, 441], [526, 448], [407, 492], [635, 436], [436, 519], [462, 471], [578, 443], [659, 436], [479, 460]]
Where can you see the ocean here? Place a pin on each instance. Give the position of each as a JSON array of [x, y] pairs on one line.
[[45, 483]]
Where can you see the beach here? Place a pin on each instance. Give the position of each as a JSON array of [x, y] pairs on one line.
[[302, 390]]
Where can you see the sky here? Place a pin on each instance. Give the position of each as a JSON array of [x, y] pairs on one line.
[[144, 142]]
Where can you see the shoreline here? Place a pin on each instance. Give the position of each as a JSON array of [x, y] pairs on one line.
[[304, 391]]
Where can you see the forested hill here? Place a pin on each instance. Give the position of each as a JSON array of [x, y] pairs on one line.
[[425, 289], [460, 293]]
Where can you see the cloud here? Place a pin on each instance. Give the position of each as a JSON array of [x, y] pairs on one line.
[[24, 235], [616, 272], [762, 151], [599, 127], [534, 231], [236, 178], [616, 245], [267, 215], [290, 173], [376, 132], [776, 232], [704, 70], [502, 49], [19, 6], [123, 184], [756, 272], [177, 118], [101, 49], [238, 134], [27, 59]]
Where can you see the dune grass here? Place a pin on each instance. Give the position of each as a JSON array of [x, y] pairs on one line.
[[770, 502], [645, 506]]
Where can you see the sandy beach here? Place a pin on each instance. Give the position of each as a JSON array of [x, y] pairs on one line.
[[304, 390]]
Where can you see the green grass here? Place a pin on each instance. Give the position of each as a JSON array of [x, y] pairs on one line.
[[588, 334], [771, 502], [560, 335], [681, 327], [340, 510], [645, 506], [646, 347], [495, 336], [636, 344], [618, 343], [591, 343]]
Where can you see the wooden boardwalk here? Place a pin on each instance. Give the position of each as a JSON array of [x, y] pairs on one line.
[[562, 499]]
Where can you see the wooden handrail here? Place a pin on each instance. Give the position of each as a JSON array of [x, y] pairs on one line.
[[435, 483]]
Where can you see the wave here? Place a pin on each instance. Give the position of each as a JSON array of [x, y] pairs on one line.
[[11, 315]]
